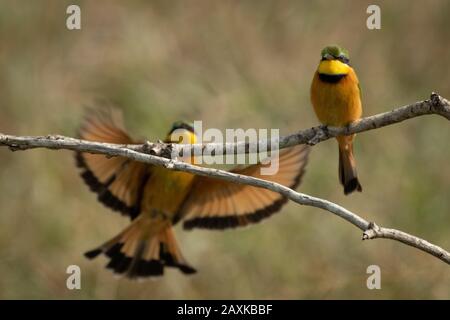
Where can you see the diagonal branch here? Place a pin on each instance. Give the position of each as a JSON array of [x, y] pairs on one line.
[[159, 154], [371, 230]]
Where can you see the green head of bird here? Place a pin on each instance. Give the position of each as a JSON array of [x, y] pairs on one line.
[[334, 61], [182, 132], [335, 52]]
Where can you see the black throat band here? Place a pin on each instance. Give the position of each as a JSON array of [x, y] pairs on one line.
[[331, 78]]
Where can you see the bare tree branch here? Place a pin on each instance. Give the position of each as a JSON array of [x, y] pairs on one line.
[[435, 105], [150, 153]]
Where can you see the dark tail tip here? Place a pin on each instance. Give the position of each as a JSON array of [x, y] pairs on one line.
[[170, 260], [186, 269], [93, 253], [352, 185], [137, 267]]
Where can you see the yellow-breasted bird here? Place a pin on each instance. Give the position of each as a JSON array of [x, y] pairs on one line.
[[336, 98], [156, 198]]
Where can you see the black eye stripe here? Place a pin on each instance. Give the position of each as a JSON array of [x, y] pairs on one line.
[[182, 126], [340, 58], [343, 59]]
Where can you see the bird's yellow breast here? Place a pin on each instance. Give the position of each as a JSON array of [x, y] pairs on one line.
[[166, 191], [336, 104], [332, 67]]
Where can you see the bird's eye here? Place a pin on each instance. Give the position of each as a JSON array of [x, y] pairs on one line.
[[343, 59]]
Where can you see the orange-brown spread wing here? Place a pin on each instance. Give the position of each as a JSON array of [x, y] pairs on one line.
[[219, 204], [119, 182]]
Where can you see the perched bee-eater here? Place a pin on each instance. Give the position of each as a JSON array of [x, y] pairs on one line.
[[336, 98], [156, 198]]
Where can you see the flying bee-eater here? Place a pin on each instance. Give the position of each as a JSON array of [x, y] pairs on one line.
[[156, 198], [336, 98]]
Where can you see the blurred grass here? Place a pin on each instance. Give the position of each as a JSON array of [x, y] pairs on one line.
[[232, 64]]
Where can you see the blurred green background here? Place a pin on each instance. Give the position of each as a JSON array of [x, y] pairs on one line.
[[233, 65]]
